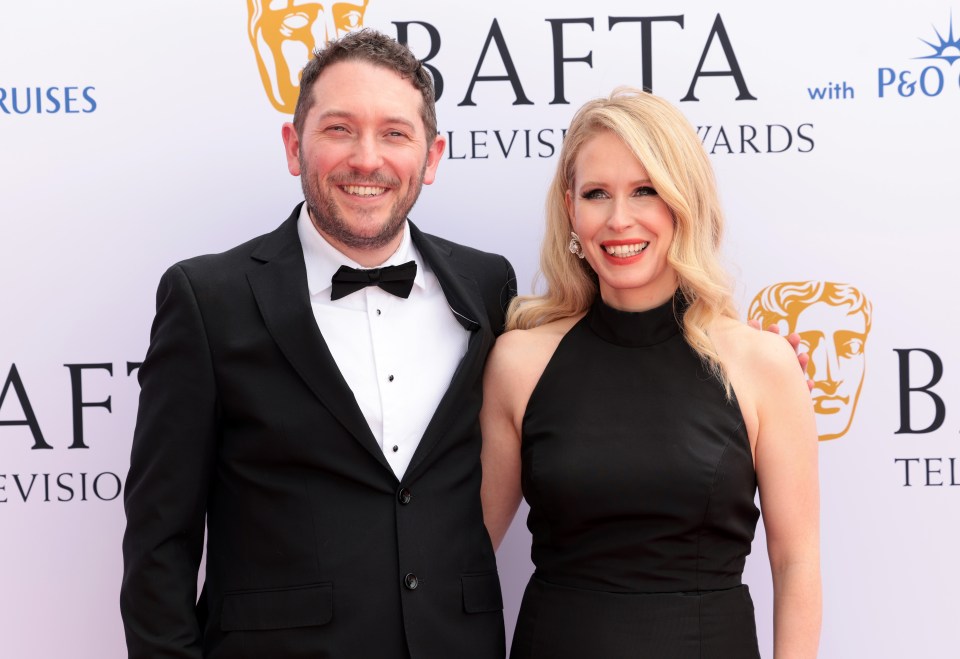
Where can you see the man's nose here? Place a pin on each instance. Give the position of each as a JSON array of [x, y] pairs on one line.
[[366, 155]]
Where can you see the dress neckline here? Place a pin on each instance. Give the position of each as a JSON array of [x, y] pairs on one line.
[[637, 329]]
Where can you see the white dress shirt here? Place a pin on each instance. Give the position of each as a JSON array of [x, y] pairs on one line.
[[397, 355]]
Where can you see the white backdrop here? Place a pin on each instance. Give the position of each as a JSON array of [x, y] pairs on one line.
[[154, 140]]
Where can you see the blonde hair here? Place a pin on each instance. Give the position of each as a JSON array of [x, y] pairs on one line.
[[665, 143]]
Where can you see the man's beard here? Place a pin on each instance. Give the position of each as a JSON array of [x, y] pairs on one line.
[[328, 220]]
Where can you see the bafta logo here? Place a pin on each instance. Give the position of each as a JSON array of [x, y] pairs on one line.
[[833, 321], [284, 34]]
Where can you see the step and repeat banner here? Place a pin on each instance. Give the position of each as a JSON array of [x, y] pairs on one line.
[[135, 135]]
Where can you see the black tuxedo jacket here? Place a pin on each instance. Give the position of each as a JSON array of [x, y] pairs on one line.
[[314, 547]]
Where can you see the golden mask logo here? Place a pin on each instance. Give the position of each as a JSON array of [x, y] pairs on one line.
[[284, 34], [833, 321]]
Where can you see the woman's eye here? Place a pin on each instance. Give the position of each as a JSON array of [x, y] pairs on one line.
[[645, 191], [594, 194]]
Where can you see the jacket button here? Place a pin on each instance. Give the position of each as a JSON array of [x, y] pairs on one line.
[[410, 581], [405, 496]]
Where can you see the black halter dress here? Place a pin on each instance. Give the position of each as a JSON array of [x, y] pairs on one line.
[[641, 486]]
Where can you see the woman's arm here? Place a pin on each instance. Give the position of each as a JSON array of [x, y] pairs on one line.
[[786, 460], [500, 455]]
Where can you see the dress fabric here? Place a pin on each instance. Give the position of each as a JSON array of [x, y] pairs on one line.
[[640, 481]]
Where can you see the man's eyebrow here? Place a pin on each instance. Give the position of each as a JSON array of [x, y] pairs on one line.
[[401, 120], [335, 114], [346, 114]]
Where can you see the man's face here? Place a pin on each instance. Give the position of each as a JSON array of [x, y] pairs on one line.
[[835, 341], [362, 157], [285, 32]]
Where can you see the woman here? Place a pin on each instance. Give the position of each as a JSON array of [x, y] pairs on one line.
[[640, 416]]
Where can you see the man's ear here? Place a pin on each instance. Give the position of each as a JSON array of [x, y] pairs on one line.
[[434, 156], [291, 145]]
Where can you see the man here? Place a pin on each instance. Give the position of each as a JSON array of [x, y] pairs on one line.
[[324, 431], [833, 321]]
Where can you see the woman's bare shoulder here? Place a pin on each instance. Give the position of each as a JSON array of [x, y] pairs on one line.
[[755, 353], [520, 355]]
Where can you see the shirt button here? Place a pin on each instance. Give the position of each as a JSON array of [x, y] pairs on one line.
[[396, 448], [404, 496], [410, 581], [390, 377], [378, 312]]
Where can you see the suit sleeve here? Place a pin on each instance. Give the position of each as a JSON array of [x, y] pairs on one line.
[[171, 462], [508, 291]]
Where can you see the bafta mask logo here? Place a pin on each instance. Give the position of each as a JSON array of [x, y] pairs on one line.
[[284, 34], [833, 321]]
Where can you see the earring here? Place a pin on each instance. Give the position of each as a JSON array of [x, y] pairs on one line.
[[575, 247]]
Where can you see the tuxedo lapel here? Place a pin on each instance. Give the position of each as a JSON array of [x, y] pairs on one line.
[[463, 296], [280, 289], [461, 291]]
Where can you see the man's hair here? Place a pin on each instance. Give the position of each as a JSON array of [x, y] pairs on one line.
[[375, 48]]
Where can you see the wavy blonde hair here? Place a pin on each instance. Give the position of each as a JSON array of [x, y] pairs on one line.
[[666, 144]]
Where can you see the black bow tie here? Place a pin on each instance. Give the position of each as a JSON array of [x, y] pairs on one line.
[[396, 279]]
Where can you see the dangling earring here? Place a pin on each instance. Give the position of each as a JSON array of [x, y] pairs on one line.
[[575, 247]]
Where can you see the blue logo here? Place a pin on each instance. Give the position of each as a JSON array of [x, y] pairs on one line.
[[931, 80], [948, 49], [71, 99]]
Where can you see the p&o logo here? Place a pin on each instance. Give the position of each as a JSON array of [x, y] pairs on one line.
[[932, 79], [284, 36], [833, 321]]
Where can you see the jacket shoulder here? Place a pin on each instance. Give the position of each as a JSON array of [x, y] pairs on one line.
[[493, 274], [485, 266], [221, 268]]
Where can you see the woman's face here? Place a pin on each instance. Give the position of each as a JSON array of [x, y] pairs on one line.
[[624, 226]]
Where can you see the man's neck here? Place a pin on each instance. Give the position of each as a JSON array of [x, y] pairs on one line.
[[367, 257]]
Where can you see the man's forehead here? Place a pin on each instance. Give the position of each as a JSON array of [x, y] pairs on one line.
[[359, 72], [348, 89]]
